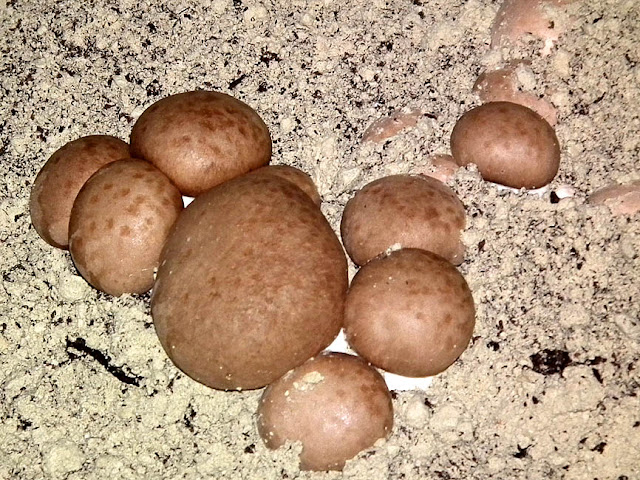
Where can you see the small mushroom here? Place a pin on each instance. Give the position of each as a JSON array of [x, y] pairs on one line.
[[410, 313], [516, 18], [442, 167], [403, 211], [387, 127], [61, 178], [500, 86], [511, 145], [622, 199], [334, 404]]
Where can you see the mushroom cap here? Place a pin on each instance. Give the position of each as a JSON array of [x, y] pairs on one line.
[[622, 199], [61, 178], [516, 18], [335, 404], [119, 223], [442, 167], [500, 86], [200, 139], [252, 283], [410, 313], [511, 145], [403, 211], [386, 127]]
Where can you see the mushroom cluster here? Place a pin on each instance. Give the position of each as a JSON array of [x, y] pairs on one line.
[[250, 282]]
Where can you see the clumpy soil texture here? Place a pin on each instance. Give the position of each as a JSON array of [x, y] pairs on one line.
[[549, 385]]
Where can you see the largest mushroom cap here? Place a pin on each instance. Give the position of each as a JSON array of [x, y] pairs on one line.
[[252, 283], [200, 139]]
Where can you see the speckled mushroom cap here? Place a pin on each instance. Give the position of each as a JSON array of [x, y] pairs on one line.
[[511, 145], [410, 313], [200, 139], [403, 211], [119, 223], [61, 178], [252, 283]]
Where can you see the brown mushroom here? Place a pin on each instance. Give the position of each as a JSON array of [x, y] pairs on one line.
[[119, 223], [403, 211], [516, 18], [335, 405], [410, 313], [252, 283], [500, 86], [61, 178], [622, 199], [511, 145], [387, 127], [200, 139], [442, 167]]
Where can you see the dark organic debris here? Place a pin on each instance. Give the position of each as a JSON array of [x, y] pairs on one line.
[[549, 362], [80, 345], [522, 452]]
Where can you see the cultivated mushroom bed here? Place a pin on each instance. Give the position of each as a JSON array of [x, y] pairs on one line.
[[453, 185]]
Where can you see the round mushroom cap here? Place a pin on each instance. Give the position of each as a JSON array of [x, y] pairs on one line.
[[200, 139], [403, 211], [511, 145], [252, 283], [61, 178], [335, 405], [295, 176], [517, 18], [410, 313], [119, 223]]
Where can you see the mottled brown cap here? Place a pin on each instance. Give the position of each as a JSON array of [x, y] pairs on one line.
[[200, 139], [61, 178], [510, 144], [119, 223], [410, 313], [252, 283], [402, 211], [335, 405], [295, 176]]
